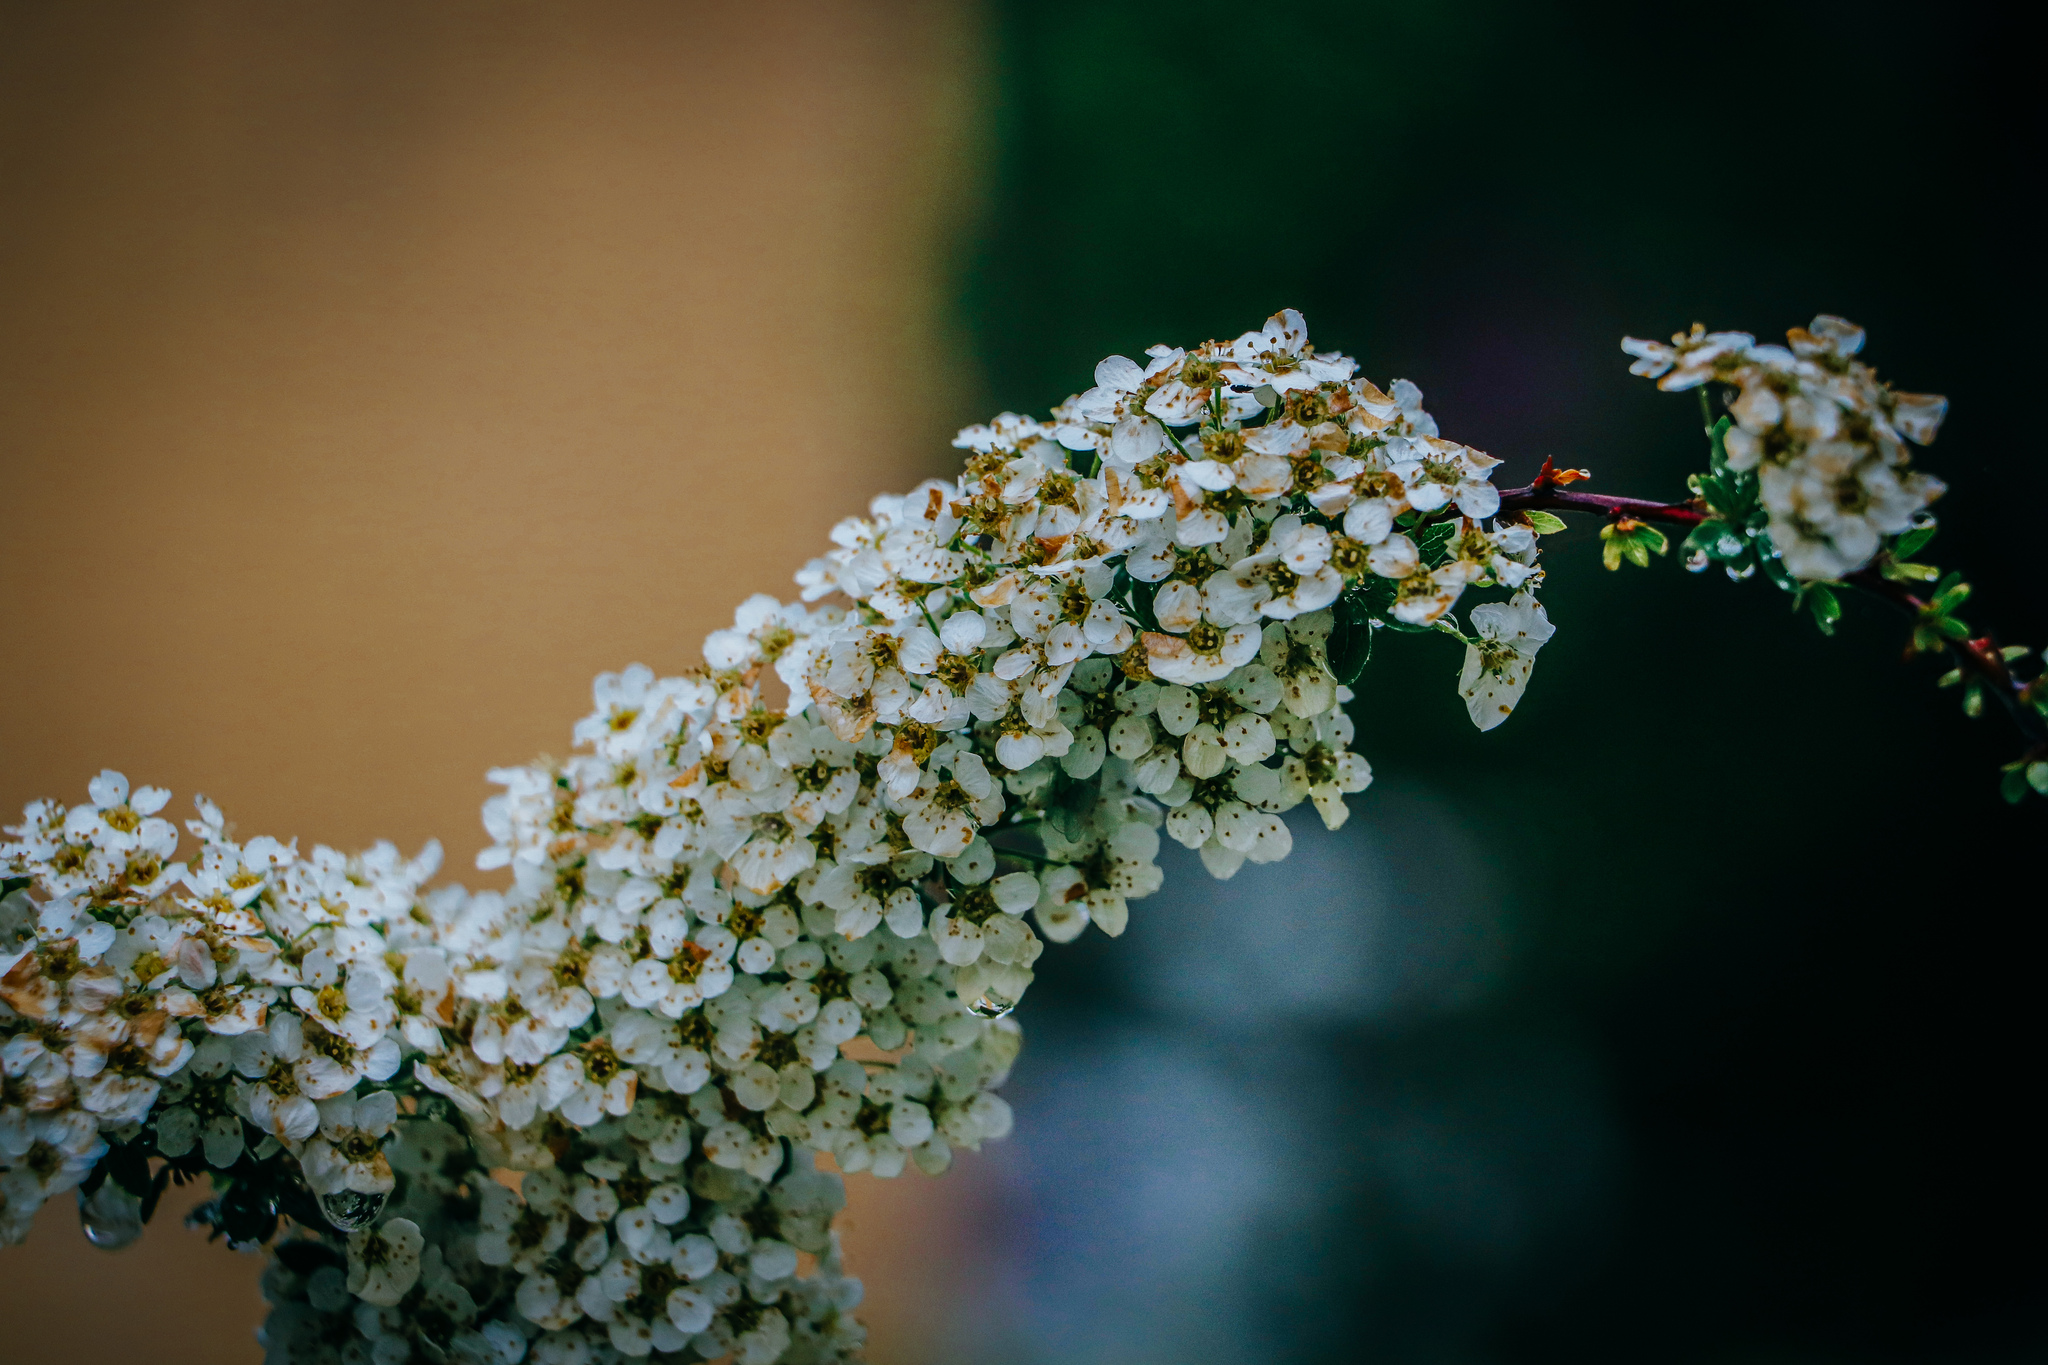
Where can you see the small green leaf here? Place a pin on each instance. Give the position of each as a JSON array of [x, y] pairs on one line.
[[1717, 540], [1950, 678], [1826, 608], [2012, 652], [2013, 786], [1141, 605], [1631, 540], [1911, 542], [1973, 701], [1431, 540], [2037, 777], [1952, 628], [1544, 524], [1350, 647], [1717, 441]]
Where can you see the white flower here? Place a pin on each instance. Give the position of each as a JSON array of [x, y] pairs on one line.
[[1435, 472], [942, 813], [384, 1263], [1280, 357], [1497, 668], [348, 1153]]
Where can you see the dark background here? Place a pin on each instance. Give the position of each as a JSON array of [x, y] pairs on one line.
[[1747, 1076]]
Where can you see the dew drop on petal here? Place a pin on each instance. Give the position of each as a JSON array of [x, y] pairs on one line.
[[991, 1005], [351, 1210]]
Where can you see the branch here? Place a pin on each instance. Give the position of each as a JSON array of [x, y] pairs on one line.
[[1978, 656], [1545, 496]]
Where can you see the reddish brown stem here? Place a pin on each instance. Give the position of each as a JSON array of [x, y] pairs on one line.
[[1547, 497]]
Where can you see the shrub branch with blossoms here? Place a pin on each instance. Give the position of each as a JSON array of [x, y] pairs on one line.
[[781, 907]]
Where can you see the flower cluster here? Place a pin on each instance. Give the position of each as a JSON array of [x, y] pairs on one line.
[[773, 910], [1826, 440]]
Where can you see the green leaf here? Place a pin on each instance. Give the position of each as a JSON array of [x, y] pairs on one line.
[[1431, 540], [1544, 524], [1911, 542], [1973, 701], [1950, 678], [1631, 541], [1899, 572], [1717, 443], [1952, 628], [2037, 777], [2013, 786], [1826, 608], [1141, 604], [1373, 596], [1350, 647], [1775, 570]]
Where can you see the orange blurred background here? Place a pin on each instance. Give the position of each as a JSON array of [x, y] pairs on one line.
[[373, 374]]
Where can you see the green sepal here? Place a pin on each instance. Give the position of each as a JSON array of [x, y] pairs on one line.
[[1544, 524]]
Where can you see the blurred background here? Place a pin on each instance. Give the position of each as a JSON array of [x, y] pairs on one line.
[[371, 375]]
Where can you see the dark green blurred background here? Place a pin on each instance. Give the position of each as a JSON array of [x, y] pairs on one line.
[[1768, 938]]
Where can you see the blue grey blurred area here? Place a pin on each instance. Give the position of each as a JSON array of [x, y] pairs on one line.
[[1284, 1144], [1395, 914]]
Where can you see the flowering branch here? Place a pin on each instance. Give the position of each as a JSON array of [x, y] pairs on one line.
[[743, 938]]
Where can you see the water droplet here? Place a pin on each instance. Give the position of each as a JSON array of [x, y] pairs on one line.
[[991, 1005], [351, 1211], [1696, 562], [111, 1218]]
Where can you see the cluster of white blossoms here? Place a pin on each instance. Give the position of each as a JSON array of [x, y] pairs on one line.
[[1826, 439], [775, 909]]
